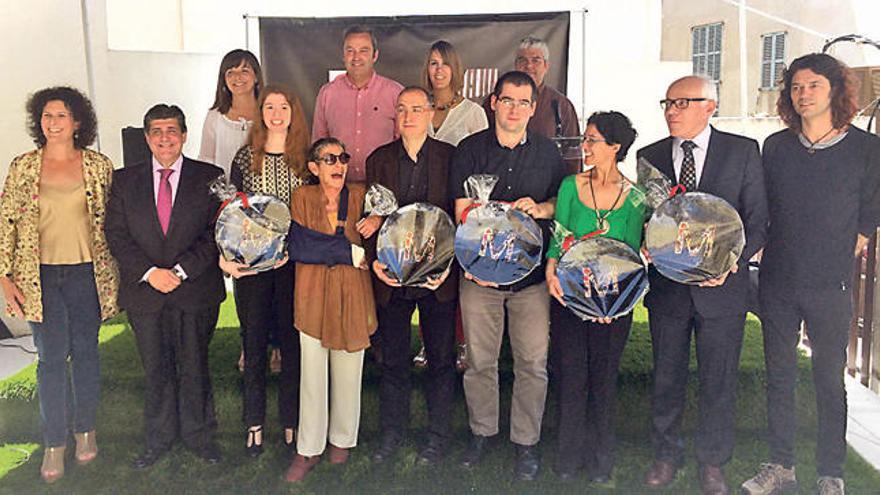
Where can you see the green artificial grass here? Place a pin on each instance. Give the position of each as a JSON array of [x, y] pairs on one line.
[[120, 435]]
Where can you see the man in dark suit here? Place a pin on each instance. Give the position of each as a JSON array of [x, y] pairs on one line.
[[160, 229], [416, 169], [728, 166]]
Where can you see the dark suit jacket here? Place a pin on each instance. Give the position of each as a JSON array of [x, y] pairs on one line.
[[382, 168], [733, 172], [136, 240]]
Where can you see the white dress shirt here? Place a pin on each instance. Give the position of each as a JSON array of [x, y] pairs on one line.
[[701, 141]]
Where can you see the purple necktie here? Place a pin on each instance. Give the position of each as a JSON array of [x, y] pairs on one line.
[[163, 201]]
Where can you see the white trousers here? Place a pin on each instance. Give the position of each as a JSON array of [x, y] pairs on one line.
[[340, 415]]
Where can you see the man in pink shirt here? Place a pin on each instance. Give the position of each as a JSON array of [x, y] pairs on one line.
[[358, 107]]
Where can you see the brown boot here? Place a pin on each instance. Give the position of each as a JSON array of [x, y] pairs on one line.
[[712, 481], [337, 455], [86, 447], [300, 467], [53, 464], [661, 474]]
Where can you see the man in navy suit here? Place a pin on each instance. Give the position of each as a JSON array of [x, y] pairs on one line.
[[160, 229], [728, 166]]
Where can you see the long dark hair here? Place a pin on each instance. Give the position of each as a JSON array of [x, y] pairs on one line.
[[844, 90], [233, 59]]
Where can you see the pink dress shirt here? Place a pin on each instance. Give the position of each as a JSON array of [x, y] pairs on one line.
[[363, 119], [173, 179]]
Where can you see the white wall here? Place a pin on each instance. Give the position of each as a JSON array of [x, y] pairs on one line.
[[139, 62]]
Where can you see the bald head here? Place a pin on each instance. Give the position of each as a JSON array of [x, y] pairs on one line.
[[699, 97]]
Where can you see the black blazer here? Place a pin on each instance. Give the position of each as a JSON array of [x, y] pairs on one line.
[[382, 168], [732, 171], [136, 241]]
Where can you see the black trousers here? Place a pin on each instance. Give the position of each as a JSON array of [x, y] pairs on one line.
[[588, 358], [827, 313], [178, 400], [438, 333], [264, 303], [718, 345]]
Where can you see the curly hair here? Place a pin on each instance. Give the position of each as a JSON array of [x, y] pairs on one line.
[[78, 105], [844, 89], [616, 128]]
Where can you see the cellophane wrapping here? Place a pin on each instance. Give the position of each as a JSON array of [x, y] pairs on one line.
[[416, 243], [496, 243], [694, 237], [252, 231], [601, 277]]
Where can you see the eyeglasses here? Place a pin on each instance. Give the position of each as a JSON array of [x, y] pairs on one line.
[[593, 141], [680, 103], [413, 109], [510, 102], [330, 158], [529, 60]]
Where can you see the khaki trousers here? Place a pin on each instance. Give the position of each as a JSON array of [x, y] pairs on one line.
[[340, 416], [528, 317]]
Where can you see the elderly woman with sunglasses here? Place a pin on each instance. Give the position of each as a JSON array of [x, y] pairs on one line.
[[334, 310]]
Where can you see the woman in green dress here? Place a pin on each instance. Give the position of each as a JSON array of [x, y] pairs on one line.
[[587, 353]]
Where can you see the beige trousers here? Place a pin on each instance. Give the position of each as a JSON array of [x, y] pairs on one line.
[[528, 321], [340, 415]]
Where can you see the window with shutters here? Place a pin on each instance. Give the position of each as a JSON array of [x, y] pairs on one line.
[[706, 51], [772, 59]]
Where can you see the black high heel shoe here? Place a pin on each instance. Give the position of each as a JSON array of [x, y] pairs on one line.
[[253, 448], [289, 447]]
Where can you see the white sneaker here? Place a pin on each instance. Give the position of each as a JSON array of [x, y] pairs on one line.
[[770, 480], [826, 485]]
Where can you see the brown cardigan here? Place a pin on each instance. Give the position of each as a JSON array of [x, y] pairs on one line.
[[332, 304], [382, 168]]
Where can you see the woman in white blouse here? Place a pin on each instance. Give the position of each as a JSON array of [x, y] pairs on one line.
[[226, 128], [455, 117], [234, 110]]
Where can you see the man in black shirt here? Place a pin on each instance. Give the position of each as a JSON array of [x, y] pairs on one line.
[[530, 170], [416, 169], [823, 189]]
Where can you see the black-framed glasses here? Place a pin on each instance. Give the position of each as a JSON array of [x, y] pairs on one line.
[[680, 103], [330, 158]]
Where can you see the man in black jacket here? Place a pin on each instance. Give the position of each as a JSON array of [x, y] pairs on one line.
[[416, 169], [160, 229], [728, 166], [823, 189]]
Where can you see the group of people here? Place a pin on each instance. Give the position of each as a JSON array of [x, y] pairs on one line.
[[79, 241]]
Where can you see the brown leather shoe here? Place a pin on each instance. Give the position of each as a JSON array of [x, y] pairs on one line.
[[300, 467], [337, 455], [712, 481], [661, 474]]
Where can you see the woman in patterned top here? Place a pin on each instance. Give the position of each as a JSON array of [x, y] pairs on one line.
[[272, 163], [55, 268]]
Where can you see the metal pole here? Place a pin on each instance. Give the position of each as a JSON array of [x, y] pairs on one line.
[[743, 62], [90, 66], [584, 65]]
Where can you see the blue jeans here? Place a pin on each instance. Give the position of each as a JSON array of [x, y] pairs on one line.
[[68, 334]]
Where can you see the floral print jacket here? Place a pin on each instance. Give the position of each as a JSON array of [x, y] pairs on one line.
[[19, 234]]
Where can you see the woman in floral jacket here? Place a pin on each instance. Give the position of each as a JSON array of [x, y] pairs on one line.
[[56, 271]]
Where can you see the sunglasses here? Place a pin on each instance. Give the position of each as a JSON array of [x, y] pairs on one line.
[[330, 158]]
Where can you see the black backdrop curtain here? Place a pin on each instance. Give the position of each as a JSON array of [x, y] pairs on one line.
[[299, 52]]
